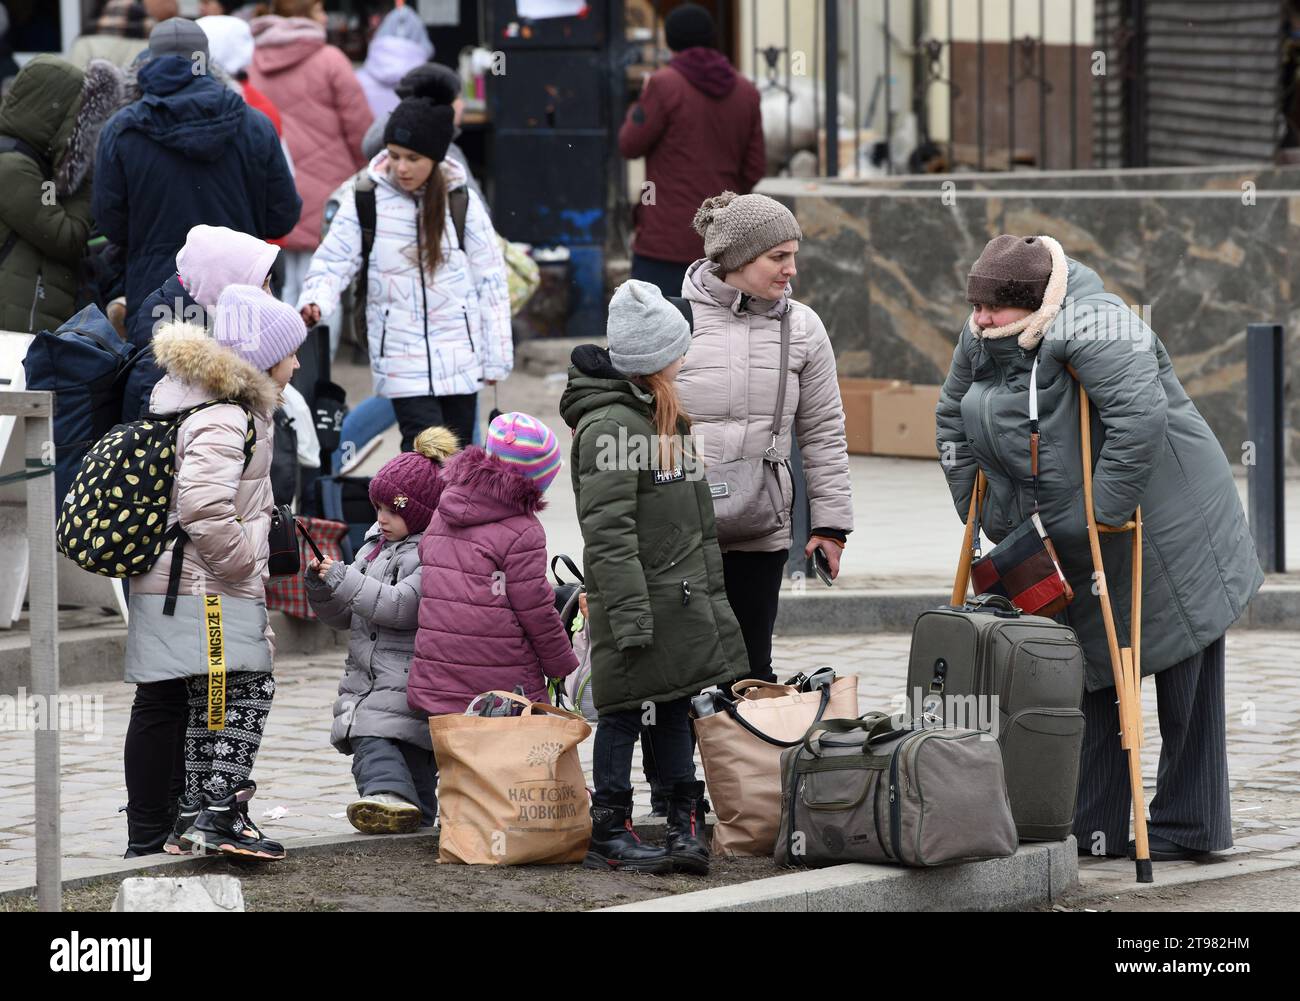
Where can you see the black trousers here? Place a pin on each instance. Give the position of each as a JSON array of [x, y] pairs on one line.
[[154, 760], [668, 275], [754, 592], [668, 747], [1191, 806], [456, 413]]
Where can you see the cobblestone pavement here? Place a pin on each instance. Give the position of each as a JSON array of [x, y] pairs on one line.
[[298, 770]]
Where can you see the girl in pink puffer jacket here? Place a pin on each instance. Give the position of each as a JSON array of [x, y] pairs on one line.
[[487, 613]]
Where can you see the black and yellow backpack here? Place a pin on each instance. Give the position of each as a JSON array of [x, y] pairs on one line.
[[114, 517]]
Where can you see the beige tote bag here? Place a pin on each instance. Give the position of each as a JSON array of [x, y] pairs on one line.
[[511, 789], [741, 747]]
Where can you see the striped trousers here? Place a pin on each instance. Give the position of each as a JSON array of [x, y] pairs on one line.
[[1191, 806]]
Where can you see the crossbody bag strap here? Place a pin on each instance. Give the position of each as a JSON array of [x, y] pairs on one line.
[[1033, 427], [783, 373]]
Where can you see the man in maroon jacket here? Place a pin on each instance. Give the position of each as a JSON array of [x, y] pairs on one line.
[[698, 126]]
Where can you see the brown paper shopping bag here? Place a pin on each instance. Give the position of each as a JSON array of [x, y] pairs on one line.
[[741, 745], [511, 789]]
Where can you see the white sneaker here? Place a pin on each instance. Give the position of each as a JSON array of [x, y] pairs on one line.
[[384, 813]]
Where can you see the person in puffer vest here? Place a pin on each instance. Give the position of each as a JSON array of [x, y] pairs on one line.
[[378, 599], [487, 613], [203, 673]]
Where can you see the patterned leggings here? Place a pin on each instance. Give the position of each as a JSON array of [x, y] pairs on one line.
[[218, 760]]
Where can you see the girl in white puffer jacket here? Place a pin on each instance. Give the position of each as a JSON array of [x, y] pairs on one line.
[[437, 313]]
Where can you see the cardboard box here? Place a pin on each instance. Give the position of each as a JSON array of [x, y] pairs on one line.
[[903, 421], [856, 395]]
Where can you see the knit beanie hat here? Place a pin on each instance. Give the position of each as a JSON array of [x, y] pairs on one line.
[[689, 26], [178, 36], [421, 125], [257, 326], [1012, 271], [738, 229], [411, 483], [527, 446], [439, 83], [647, 333], [216, 256]]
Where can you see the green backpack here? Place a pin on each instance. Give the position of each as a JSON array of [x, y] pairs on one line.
[[114, 518]]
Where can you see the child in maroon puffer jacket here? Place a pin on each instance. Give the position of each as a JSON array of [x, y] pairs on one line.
[[487, 613]]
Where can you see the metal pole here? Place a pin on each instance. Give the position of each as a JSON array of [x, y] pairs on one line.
[[789, 80], [1042, 84], [979, 50], [1265, 421], [833, 88], [857, 90], [1074, 83], [920, 74], [1011, 86], [36, 412], [818, 123], [952, 97], [889, 90]]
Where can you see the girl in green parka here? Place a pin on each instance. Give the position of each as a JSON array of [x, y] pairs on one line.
[[49, 127], [661, 628]]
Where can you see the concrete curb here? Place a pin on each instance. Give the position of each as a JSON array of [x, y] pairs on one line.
[[179, 865], [1035, 875]]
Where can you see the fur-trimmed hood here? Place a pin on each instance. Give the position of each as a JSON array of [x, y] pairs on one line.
[[101, 96], [481, 488], [1030, 329], [199, 369]]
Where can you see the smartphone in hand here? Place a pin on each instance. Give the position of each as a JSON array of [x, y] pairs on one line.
[[822, 565]]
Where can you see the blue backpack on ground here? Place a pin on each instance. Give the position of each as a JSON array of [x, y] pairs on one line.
[[84, 363]]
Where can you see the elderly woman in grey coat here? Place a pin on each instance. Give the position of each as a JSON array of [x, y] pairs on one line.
[[1151, 449], [377, 598]]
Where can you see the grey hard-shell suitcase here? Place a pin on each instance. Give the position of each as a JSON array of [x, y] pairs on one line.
[[987, 665], [877, 790]]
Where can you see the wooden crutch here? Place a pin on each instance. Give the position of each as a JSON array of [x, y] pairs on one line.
[[961, 584], [1126, 662]]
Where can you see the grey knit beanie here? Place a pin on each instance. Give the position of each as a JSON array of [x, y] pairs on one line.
[[738, 229], [647, 333]]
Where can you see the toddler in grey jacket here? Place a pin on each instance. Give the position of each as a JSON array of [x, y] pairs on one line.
[[377, 597]]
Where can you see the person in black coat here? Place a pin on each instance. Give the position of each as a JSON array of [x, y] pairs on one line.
[[190, 151]]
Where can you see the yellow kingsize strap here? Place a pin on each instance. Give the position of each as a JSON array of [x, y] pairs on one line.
[[216, 644]]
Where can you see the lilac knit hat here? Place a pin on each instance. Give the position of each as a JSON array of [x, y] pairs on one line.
[[256, 326], [526, 445], [411, 483]]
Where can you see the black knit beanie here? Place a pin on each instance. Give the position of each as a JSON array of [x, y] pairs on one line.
[[689, 26], [423, 126], [1012, 271], [439, 83]]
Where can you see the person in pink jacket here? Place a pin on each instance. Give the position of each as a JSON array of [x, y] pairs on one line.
[[324, 111], [487, 616]]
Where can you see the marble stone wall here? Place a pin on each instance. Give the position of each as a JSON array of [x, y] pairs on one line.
[[1208, 250]]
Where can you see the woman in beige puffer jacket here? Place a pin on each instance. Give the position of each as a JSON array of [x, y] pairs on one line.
[[728, 384], [203, 670]]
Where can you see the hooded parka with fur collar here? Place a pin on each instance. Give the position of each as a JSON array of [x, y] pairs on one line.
[[59, 111], [1151, 448], [224, 507]]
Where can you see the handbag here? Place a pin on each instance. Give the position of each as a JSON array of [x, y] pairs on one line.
[[1023, 567], [741, 739], [282, 542], [510, 788], [746, 492], [289, 594]]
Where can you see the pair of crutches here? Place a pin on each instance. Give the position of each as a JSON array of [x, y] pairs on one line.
[[1126, 662]]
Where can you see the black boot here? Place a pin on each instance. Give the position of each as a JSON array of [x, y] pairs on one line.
[[615, 846], [187, 811], [686, 845], [223, 825]]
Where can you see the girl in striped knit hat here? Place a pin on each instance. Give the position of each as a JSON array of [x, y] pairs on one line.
[[487, 613]]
